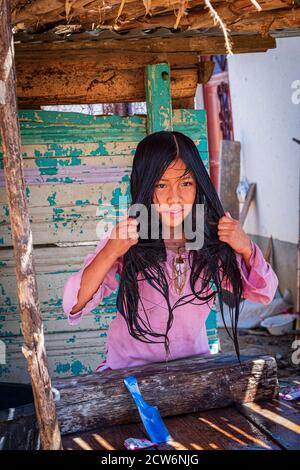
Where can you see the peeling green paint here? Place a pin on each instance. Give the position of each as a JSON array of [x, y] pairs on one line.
[[115, 196], [62, 368], [72, 339], [79, 202], [57, 211], [101, 150], [51, 199], [57, 141], [5, 299], [77, 368]]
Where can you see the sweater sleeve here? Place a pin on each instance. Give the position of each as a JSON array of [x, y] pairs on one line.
[[72, 286], [260, 282]]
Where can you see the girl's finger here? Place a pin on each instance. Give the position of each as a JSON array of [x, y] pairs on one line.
[[225, 232], [226, 223], [224, 239]]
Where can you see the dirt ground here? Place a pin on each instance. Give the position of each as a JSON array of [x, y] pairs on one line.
[[278, 346]]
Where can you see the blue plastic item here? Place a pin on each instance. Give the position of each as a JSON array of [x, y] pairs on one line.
[[150, 415]]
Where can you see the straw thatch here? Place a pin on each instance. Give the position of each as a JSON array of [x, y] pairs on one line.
[[259, 16]]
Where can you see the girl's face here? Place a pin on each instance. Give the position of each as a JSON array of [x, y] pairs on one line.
[[174, 194]]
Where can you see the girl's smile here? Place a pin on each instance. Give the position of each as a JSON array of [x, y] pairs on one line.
[[174, 194]]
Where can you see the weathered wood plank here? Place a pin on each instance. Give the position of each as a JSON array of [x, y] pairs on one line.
[[229, 176], [158, 97], [70, 350], [32, 327], [87, 58], [63, 213], [38, 44], [181, 386], [279, 420], [108, 439], [76, 168], [65, 131], [45, 85], [222, 429]]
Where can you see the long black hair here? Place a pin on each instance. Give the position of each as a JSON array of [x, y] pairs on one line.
[[213, 261]]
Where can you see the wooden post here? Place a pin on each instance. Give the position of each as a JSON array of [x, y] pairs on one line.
[[249, 198], [32, 328], [229, 176], [158, 95]]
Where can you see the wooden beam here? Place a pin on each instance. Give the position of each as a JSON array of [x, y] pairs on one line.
[[113, 71], [177, 387], [41, 84], [32, 328], [201, 44]]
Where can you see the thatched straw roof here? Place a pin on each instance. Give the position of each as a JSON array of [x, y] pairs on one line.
[[238, 16]]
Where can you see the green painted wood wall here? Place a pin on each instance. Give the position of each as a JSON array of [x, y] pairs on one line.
[[76, 168]]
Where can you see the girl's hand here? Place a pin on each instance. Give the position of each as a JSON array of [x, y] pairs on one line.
[[123, 236], [231, 232]]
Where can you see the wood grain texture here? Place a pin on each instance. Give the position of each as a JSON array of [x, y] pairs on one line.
[[237, 14], [177, 387], [229, 176], [278, 419], [30, 314], [158, 98], [50, 46], [41, 84], [222, 429]]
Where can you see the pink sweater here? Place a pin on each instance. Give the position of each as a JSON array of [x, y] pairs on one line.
[[187, 335]]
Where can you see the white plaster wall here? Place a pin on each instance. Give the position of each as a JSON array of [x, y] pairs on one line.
[[266, 116]]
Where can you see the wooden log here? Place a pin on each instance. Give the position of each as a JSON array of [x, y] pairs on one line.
[[184, 103], [32, 328], [39, 85], [182, 386], [45, 44]]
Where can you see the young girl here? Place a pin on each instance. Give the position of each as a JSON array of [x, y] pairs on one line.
[[166, 290]]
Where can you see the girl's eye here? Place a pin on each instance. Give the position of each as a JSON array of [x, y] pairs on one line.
[[187, 183], [160, 185]]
